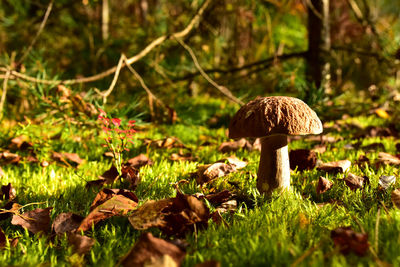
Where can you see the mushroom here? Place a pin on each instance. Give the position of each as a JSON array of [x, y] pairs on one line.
[[273, 119]]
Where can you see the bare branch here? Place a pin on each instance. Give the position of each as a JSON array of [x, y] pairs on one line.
[[41, 27], [220, 88], [195, 20]]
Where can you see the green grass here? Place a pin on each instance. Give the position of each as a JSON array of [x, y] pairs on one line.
[[276, 231]]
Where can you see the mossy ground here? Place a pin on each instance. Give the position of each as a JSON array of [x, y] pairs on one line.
[[288, 228]]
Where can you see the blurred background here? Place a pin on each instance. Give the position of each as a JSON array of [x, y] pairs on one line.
[[339, 56]]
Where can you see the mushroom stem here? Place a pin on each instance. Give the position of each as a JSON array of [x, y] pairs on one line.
[[273, 170]]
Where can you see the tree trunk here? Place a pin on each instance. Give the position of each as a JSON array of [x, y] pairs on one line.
[[319, 43]]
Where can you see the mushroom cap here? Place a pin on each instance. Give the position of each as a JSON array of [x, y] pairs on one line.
[[266, 116]]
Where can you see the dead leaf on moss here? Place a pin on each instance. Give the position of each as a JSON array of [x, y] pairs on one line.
[[396, 197], [386, 158], [110, 175], [37, 220], [149, 250], [217, 199], [168, 142], [139, 161], [349, 241], [9, 158], [174, 216], [181, 156], [66, 222], [209, 263], [69, 158], [118, 205], [323, 185], [80, 243], [233, 146], [302, 159], [386, 181], [8, 192], [130, 174], [20, 143], [107, 194], [335, 166], [354, 182], [209, 172]]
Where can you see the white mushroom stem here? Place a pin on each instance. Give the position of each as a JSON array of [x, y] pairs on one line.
[[273, 169]]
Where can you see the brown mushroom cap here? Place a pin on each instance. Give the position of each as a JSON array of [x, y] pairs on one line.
[[265, 116]]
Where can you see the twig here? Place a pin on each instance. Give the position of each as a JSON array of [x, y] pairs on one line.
[[310, 5], [377, 231], [5, 84], [307, 253], [41, 27], [222, 89], [114, 81], [195, 20]]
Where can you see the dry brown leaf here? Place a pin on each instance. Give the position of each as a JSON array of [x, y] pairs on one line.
[[149, 250], [66, 222], [182, 156], [20, 143], [233, 146], [175, 216], [139, 161], [80, 243], [302, 159], [8, 192], [118, 205], [67, 157], [323, 185], [217, 199], [130, 174], [107, 194], [168, 142], [354, 182], [386, 158], [209, 263], [9, 158], [385, 181], [396, 197], [335, 166], [349, 241], [37, 220], [150, 214], [110, 175]]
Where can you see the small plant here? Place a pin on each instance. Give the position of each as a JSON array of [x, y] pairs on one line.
[[118, 137]]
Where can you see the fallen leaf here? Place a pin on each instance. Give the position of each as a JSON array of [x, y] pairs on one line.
[[386, 158], [319, 149], [66, 222], [95, 183], [9, 158], [228, 206], [149, 249], [174, 216], [349, 241], [182, 156], [168, 142], [130, 174], [323, 185], [107, 194], [233, 146], [209, 172], [209, 263], [37, 220], [302, 159], [150, 214], [20, 143], [335, 166], [118, 205], [8, 192], [217, 199], [396, 197], [139, 161], [67, 158], [80, 243], [354, 181], [386, 181], [110, 175]]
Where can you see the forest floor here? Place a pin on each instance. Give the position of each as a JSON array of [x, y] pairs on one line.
[[344, 215]]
